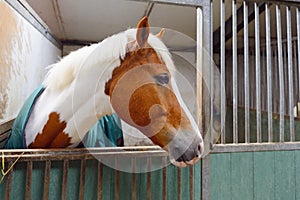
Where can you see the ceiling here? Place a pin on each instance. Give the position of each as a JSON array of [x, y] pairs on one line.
[[95, 20], [84, 21]]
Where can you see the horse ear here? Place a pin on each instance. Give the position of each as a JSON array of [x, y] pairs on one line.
[[161, 33], [143, 31]]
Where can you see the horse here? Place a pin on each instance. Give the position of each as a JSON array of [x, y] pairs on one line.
[[131, 74]]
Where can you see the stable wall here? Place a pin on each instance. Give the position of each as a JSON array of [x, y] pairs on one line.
[[25, 54]]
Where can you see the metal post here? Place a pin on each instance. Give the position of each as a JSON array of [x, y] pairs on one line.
[[246, 73], [28, 180], [298, 44], [204, 41], [280, 71], [290, 73], [222, 48], [234, 74], [269, 74], [258, 78]]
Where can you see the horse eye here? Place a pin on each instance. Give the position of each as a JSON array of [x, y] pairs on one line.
[[162, 79]]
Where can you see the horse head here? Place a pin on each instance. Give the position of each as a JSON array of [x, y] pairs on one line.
[[144, 94]]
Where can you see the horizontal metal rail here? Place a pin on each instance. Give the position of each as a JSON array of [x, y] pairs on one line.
[[26, 11], [190, 3], [79, 153], [254, 147]]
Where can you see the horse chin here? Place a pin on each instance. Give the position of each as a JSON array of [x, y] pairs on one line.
[[186, 163]]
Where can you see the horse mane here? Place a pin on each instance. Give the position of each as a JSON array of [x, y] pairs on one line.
[[106, 54]]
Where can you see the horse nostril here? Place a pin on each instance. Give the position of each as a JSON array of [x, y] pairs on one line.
[[200, 149]]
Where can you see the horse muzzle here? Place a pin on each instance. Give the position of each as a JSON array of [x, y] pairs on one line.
[[185, 149]]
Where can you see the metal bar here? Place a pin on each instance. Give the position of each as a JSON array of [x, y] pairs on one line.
[[234, 74], [191, 180], [8, 185], [190, 3], [164, 178], [205, 177], [204, 33], [23, 9], [75, 154], [240, 26], [269, 73], [199, 70], [212, 131], [275, 78], [72, 151], [28, 180], [47, 180], [253, 86], [263, 79], [99, 186], [133, 163], [179, 183], [117, 180], [243, 147], [280, 74], [290, 73], [295, 75], [65, 180], [223, 70], [298, 44], [283, 2], [285, 72], [246, 73], [148, 178], [148, 9], [258, 78], [82, 179]]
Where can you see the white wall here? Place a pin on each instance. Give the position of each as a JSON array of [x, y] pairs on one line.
[[24, 55]]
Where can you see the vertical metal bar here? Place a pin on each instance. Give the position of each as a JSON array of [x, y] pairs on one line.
[[199, 63], [191, 179], [8, 185], [117, 179], [82, 179], [164, 178], [212, 131], [204, 38], [205, 175], [290, 73], [133, 163], [252, 74], [65, 180], [222, 47], [263, 79], [100, 175], [285, 72], [148, 178], [179, 183], [298, 44], [28, 180], [269, 74], [234, 73], [258, 78], [246, 73], [47, 179], [295, 75], [276, 80]]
